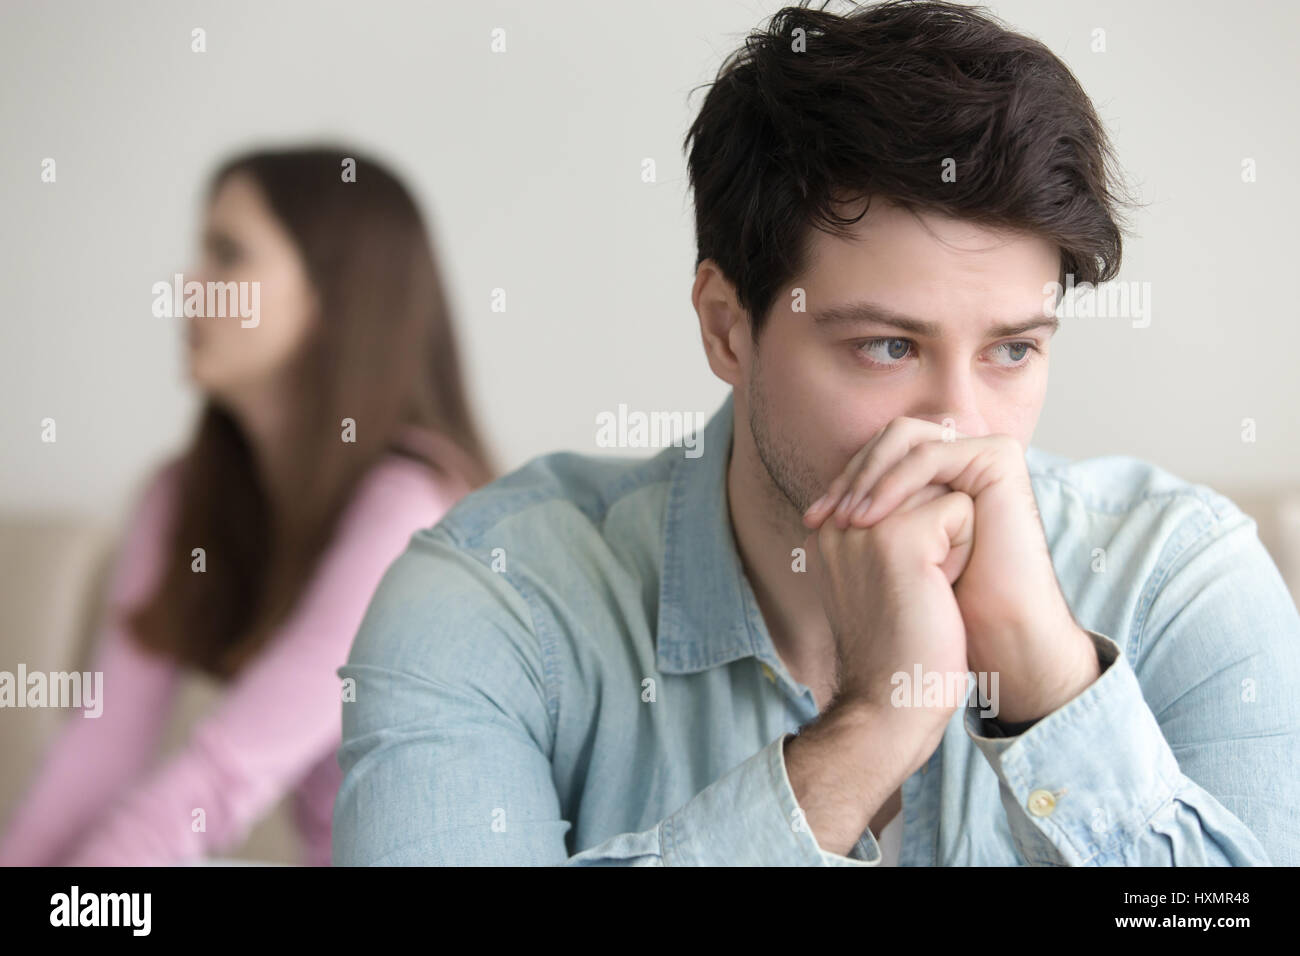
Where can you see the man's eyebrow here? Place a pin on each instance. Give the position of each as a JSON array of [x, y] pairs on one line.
[[865, 312]]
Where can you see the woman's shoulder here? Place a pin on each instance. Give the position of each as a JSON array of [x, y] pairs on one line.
[[141, 531], [399, 486], [154, 496]]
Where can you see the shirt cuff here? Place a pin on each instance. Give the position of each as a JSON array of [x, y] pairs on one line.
[[1094, 768], [750, 817]]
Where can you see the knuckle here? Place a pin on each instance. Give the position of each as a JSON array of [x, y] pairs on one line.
[[893, 429], [884, 487], [890, 534], [928, 450]]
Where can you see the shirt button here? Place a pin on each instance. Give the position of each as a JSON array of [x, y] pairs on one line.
[[1041, 803], [768, 671]]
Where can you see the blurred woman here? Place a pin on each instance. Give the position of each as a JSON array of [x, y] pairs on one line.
[[332, 429]]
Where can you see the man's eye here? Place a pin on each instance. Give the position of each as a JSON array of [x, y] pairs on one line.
[[1018, 352], [886, 351], [890, 352]]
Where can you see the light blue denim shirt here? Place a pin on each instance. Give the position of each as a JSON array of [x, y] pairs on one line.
[[571, 668]]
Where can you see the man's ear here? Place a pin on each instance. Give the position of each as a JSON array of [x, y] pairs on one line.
[[724, 324]]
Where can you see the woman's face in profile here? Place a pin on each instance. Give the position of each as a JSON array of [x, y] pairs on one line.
[[243, 242]]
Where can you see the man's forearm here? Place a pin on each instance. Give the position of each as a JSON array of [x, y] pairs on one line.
[[843, 767]]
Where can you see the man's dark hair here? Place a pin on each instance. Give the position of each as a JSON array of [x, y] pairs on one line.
[[872, 105]]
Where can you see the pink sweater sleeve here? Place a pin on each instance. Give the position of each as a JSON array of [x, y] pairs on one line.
[[282, 714], [92, 759]]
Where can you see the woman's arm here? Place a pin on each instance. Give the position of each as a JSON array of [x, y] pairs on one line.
[[92, 759], [283, 712]]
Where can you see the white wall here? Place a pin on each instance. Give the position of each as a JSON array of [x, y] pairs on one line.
[[528, 164]]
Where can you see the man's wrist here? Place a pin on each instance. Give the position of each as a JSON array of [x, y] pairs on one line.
[[1008, 729], [842, 767], [1022, 714]]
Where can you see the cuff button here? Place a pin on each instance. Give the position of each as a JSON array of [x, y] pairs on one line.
[[1041, 803]]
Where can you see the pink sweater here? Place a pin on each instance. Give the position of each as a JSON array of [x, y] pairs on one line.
[[100, 798]]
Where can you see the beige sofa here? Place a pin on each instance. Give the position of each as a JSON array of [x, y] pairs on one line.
[[51, 577]]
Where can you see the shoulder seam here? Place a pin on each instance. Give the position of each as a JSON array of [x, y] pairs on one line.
[[636, 480], [1190, 491], [550, 657]]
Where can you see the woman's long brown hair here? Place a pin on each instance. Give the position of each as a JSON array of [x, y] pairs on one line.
[[384, 355]]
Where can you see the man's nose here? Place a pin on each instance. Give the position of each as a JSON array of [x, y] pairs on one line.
[[953, 406]]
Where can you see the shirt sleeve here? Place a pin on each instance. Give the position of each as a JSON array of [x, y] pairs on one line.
[[280, 715], [92, 759], [448, 744], [1192, 758]]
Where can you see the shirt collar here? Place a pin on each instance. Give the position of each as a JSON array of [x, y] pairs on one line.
[[705, 603]]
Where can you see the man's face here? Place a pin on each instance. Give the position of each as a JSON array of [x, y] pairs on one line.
[[824, 380]]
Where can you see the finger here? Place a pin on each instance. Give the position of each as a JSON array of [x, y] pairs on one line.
[[890, 450], [960, 527], [823, 506], [931, 462], [954, 513], [921, 497], [894, 441]]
